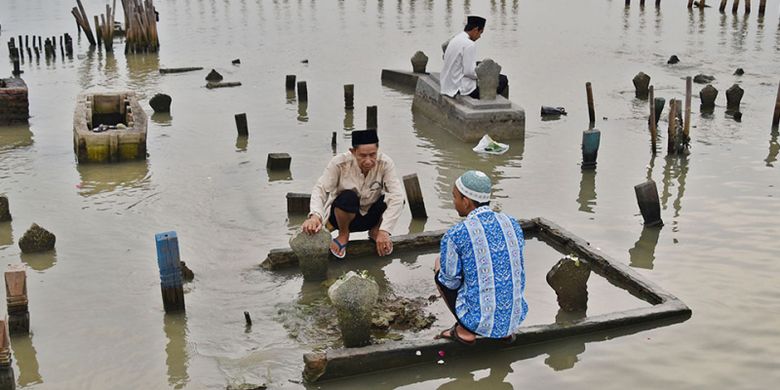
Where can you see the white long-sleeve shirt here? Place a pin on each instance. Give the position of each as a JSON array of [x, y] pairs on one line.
[[343, 173], [459, 73]]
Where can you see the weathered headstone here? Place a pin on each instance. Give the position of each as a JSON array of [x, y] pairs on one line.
[[160, 103], [7, 380], [649, 204], [16, 298], [487, 79], [703, 79], [37, 239], [673, 60], [278, 161], [312, 251], [214, 76], [734, 97], [354, 297], [569, 279], [707, 96], [641, 83], [5, 211], [659, 108], [419, 62], [739, 72]]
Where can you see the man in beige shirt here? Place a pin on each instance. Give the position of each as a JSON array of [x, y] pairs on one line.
[[359, 191]]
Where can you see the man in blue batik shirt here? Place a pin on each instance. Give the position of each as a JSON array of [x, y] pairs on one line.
[[480, 272]]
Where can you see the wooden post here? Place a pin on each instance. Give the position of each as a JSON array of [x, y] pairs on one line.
[[776, 117], [747, 7], [688, 89], [7, 380], [289, 82], [62, 47], [298, 203], [690, 4], [649, 205], [735, 7], [590, 148], [241, 125], [653, 123], [414, 196], [761, 8], [349, 96], [333, 140], [628, 2], [672, 128], [591, 110], [303, 94], [278, 161], [723, 6], [97, 31], [16, 72], [170, 271], [371, 117], [16, 297], [701, 4]]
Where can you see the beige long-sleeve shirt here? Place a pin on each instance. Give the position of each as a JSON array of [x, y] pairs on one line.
[[343, 173]]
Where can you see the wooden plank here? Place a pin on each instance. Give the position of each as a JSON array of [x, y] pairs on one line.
[[414, 196]]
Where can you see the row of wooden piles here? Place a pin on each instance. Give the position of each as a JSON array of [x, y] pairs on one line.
[[140, 26]]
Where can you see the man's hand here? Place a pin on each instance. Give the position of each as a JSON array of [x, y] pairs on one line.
[[312, 225], [384, 246]]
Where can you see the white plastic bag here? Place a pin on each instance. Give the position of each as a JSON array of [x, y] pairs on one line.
[[488, 145]]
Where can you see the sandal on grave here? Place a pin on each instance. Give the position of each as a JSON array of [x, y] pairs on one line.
[[342, 252], [453, 335]]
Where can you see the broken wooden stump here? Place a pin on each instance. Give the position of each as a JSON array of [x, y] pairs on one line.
[[349, 96], [641, 83], [37, 239], [354, 297], [371, 117], [5, 211], [298, 202], [313, 250], [241, 125], [16, 298], [289, 82], [649, 204], [414, 196], [168, 261], [569, 279], [278, 161]]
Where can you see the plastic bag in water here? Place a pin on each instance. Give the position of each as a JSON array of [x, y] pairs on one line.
[[488, 145]]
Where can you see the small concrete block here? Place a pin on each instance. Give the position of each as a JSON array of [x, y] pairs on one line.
[[298, 202], [278, 161]]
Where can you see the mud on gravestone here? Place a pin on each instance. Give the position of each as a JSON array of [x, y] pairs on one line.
[[37, 239], [569, 279], [312, 251], [354, 297], [487, 79]]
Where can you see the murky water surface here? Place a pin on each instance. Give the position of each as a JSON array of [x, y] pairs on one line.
[[95, 307]]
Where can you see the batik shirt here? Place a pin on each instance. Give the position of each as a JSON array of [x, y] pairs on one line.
[[482, 258]]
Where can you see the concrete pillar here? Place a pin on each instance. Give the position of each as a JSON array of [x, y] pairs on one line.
[[16, 298], [168, 261], [298, 202], [241, 125], [590, 148], [312, 252], [354, 297], [649, 204], [278, 161], [414, 196]]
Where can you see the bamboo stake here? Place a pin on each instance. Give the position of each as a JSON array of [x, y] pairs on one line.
[[776, 118], [671, 130], [735, 7], [653, 127], [85, 19], [762, 8], [723, 5], [747, 7], [591, 110], [688, 88], [97, 31]]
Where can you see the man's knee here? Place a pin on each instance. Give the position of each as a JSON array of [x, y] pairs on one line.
[[348, 201]]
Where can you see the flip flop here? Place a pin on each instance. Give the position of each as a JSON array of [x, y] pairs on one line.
[[342, 249], [454, 336]]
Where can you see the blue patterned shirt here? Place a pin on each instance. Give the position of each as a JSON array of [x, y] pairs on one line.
[[482, 258]]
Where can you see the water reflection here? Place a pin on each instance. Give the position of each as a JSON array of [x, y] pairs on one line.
[[6, 234], [241, 143], [177, 357], [642, 254], [143, 71], [496, 379], [107, 178], [279, 175], [417, 225], [15, 136], [349, 119], [774, 149], [303, 116], [162, 118], [563, 356], [587, 195], [675, 167], [40, 261], [290, 96], [26, 360]]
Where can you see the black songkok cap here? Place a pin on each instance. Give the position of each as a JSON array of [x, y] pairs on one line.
[[364, 137], [476, 21]]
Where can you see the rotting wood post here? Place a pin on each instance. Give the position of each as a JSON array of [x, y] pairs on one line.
[[414, 196], [747, 7], [690, 4], [591, 110], [303, 93], [241, 125], [657, 3], [649, 204], [62, 47], [289, 82], [170, 271], [641, 3], [672, 129], [278, 161], [7, 380], [16, 72], [21, 43], [590, 148], [723, 5], [371, 117], [298, 202], [628, 2], [688, 89], [701, 4], [98, 33], [16, 298], [333, 140], [653, 123], [761, 8], [735, 7], [776, 117], [349, 96]]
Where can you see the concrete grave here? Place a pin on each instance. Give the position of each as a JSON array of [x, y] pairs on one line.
[[354, 297], [109, 127], [14, 102]]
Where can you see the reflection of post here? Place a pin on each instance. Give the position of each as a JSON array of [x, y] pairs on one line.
[[303, 116], [26, 360], [643, 252], [587, 195], [175, 327], [6, 369], [774, 149], [682, 174], [16, 297], [349, 120]]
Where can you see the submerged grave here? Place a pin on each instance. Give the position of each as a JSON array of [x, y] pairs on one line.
[[645, 306], [109, 127]]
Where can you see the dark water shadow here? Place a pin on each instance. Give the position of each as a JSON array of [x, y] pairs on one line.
[[642, 254], [163, 119], [241, 143], [303, 115], [26, 360], [6, 234], [40, 261], [774, 149], [279, 175], [349, 119], [675, 168], [177, 356], [15, 136], [290, 96], [587, 195]]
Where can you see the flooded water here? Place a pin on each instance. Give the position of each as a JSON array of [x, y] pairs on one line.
[[95, 307]]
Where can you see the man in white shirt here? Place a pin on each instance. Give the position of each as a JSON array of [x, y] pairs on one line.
[[459, 73], [359, 191]]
